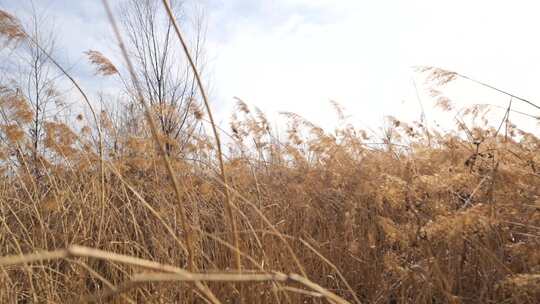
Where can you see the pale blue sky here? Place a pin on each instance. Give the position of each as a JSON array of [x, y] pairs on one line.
[[295, 55]]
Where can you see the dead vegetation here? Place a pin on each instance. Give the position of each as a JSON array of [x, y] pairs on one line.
[[412, 216]]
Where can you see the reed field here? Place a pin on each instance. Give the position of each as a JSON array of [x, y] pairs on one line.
[[111, 210]]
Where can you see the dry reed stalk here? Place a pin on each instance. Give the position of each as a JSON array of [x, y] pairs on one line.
[[81, 251], [442, 77], [149, 207], [155, 135], [166, 272], [106, 294], [266, 221], [271, 226], [210, 277], [102, 279], [341, 276], [229, 203]]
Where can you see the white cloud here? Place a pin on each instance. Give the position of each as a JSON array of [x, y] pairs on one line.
[[295, 55], [362, 53]]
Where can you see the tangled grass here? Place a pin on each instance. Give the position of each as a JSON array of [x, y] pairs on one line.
[[454, 221], [416, 216]]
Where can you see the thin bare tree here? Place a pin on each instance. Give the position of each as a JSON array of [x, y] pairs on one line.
[[33, 80], [167, 81]]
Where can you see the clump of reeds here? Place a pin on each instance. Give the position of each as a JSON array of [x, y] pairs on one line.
[[407, 216]]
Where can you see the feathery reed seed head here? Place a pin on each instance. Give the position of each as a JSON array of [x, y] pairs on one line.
[[103, 65]]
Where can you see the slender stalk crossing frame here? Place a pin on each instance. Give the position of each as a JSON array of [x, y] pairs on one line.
[[229, 204]]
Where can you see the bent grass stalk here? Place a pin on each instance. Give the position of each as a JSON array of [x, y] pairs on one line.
[[183, 219], [155, 135], [229, 204], [166, 272]]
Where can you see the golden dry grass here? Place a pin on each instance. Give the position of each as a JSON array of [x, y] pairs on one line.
[[392, 224], [343, 217]]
